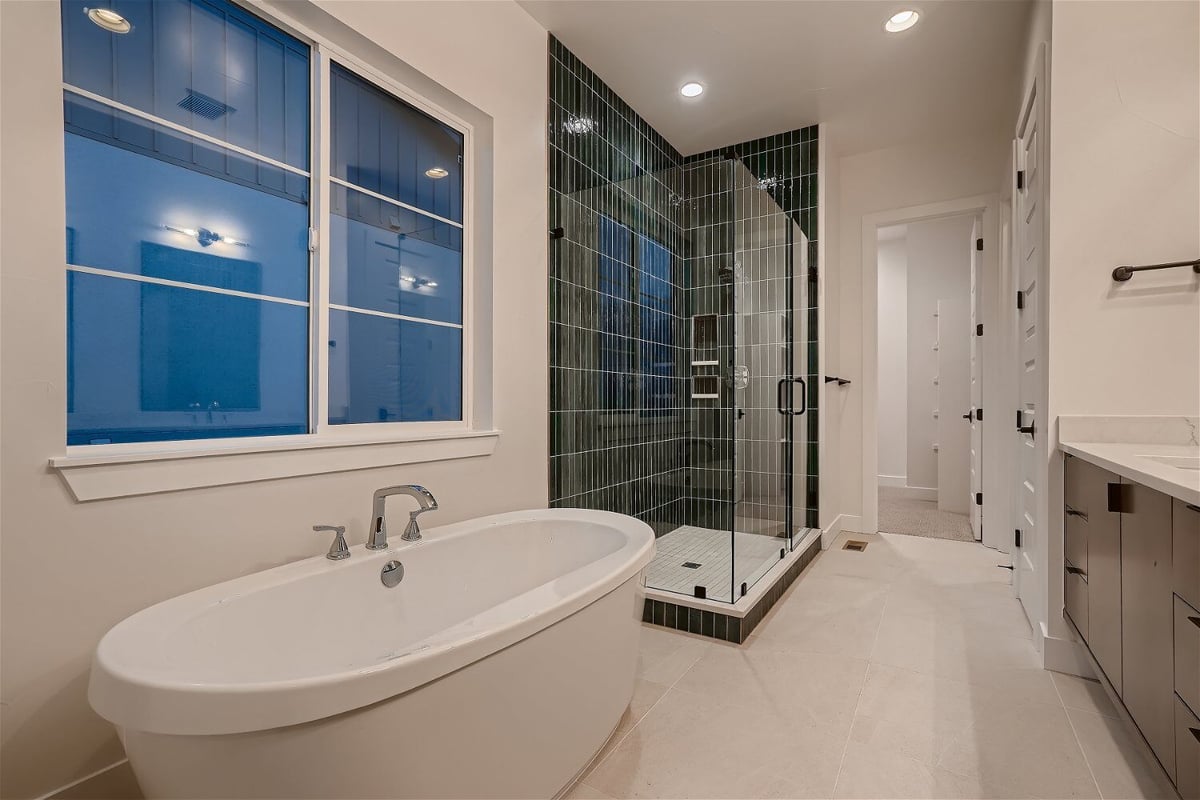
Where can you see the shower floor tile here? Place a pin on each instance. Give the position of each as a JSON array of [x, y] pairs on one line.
[[750, 556]]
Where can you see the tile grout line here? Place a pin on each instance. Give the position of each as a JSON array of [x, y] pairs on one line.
[[858, 700], [1075, 733]]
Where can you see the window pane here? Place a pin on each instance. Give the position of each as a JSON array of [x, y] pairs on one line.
[[385, 145], [387, 370], [210, 66], [119, 203], [390, 259], [149, 362]]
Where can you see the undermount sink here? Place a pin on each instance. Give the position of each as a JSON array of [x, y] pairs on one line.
[[1179, 462]]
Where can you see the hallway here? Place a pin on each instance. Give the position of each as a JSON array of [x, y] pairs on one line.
[[904, 671], [901, 513]]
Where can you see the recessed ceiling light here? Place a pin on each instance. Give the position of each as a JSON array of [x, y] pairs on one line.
[[901, 21], [437, 173], [691, 89], [109, 20]]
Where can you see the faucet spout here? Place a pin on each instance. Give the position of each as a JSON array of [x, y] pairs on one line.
[[377, 538]]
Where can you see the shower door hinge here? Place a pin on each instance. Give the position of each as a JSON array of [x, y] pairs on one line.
[[979, 244], [978, 498], [312, 240], [979, 329]]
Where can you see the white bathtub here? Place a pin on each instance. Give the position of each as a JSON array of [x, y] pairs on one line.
[[497, 668]]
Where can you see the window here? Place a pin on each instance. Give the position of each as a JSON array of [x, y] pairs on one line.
[[193, 293]]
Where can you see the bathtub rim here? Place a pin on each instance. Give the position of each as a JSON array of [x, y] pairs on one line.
[[175, 706]]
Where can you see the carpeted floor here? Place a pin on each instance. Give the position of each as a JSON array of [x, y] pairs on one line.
[[899, 514]]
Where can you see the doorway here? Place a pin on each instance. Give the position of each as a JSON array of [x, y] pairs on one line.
[[937, 411], [925, 342]]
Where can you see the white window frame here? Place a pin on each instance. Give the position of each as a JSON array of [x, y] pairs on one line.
[[102, 471]]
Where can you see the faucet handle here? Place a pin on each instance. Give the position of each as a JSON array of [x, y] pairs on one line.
[[339, 549]]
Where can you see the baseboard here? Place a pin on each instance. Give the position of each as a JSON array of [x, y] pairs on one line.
[[853, 523], [831, 531], [1066, 655], [915, 492], [114, 782], [893, 481]]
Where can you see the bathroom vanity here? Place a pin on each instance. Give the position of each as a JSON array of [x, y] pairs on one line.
[[1132, 574]]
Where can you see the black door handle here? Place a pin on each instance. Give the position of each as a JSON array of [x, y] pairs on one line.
[[970, 416], [779, 395], [1030, 429], [803, 396]]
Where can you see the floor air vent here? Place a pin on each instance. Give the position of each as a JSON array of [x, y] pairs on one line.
[[857, 545]]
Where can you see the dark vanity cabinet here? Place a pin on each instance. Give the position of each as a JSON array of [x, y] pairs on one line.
[[1132, 590]]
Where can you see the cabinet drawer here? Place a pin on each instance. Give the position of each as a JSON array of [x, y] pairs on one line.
[[1076, 544], [1187, 654], [1185, 541], [1187, 752], [1075, 590]]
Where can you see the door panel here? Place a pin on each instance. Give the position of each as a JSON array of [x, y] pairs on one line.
[[976, 379], [953, 399]]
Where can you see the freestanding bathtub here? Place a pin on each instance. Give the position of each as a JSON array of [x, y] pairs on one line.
[[498, 667]]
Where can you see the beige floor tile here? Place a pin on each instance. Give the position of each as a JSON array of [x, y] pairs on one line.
[[876, 774], [834, 614], [694, 745], [813, 688], [581, 791], [1032, 747], [664, 655], [949, 647], [1120, 763], [1083, 694]]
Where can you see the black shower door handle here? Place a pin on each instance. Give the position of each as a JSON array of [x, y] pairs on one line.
[[783, 382], [803, 396]]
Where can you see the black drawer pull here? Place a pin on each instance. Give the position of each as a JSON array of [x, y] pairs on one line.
[[1195, 621], [1078, 571], [1196, 733]]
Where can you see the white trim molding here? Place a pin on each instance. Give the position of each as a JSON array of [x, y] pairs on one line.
[[127, 474]]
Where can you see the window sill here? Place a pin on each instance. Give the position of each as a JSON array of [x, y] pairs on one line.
[[110, 475]]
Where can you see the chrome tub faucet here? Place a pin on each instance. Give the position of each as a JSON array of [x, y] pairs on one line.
[[377, 538]]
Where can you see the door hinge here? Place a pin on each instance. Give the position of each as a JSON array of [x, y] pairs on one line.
[[557, 233], [978, 498], [979, 329], [1020, 300], [1020, 179], [1017, 538], [312, 240], [979, 414], [979, 244]]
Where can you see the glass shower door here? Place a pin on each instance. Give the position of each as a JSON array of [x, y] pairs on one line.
[[769, 377]]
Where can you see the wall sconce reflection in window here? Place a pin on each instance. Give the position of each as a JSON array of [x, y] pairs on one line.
[[417, 283], [579, 125], [206, 237]]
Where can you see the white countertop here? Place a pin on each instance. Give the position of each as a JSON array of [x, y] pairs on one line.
[[1129, 460]]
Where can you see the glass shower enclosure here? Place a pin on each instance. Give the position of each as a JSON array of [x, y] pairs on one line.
[[750, 360]]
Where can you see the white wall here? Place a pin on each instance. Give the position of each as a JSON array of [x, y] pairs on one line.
[[893, 361], [70, 571], [939, 270], [907, 175], [1125, 160]]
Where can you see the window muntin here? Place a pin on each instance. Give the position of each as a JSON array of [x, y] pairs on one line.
[[396, 259], [189, 274]]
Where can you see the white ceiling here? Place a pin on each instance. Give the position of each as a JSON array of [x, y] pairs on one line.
[[775, 65]]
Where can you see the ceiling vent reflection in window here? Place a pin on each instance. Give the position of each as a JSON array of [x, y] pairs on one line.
[[204, 106]]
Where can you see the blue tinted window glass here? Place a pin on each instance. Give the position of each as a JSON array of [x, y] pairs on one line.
[[149, 362], [208, 65], [148, 204], [384, 145], [119, 201], [657, 355], [389, 370], [390, 259], [616, 314]]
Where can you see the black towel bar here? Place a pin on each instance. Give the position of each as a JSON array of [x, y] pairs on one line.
[[1121, 274]]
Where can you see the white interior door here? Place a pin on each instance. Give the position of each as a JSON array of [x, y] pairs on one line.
[[1027, 265], [954, 397], [976, 383]]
